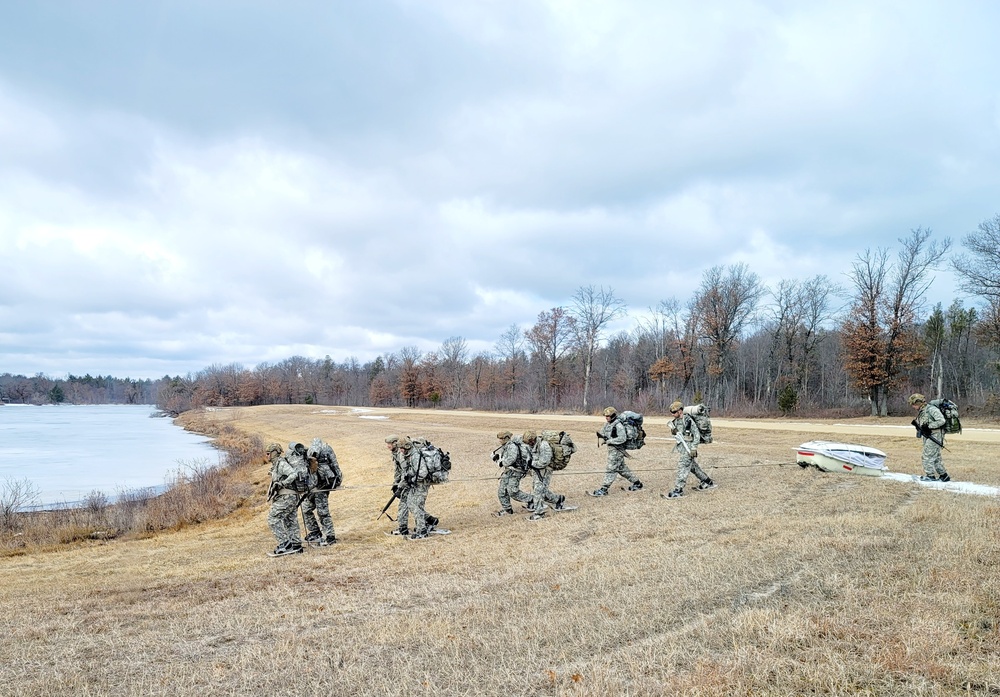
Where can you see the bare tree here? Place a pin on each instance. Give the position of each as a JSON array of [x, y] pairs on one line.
[[454, 353], [880, 339], [510, 348], [726, 302], [593, 309], [15, 496], [551, 338], [980, 268]]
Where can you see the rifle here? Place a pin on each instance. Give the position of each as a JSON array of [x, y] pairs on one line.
[[600, 439], [687, 448], [395, 495], [925, 432], [272, 491]]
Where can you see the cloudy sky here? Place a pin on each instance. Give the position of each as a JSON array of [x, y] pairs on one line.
[[211, 181]]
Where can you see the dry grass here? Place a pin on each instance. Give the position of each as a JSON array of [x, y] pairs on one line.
[[782, 581]]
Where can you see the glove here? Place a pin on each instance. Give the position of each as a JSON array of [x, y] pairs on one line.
[[694, 452], [395, 489], [600, 435], [925, 431], [496, 457]]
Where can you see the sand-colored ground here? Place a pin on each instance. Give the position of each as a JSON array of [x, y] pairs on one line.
[[781, 581]]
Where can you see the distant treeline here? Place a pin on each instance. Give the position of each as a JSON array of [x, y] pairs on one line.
[[75, 389], [807, 346]]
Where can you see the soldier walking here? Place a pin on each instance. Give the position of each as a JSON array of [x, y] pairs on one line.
[[541, 470], [684, 425], [614, 435], [284, 497], [929, 423], [401, 489], [326, 476], [514, 457]]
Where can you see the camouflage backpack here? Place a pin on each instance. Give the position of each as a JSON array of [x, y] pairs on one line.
[[700, 414], [435, 464], [562, 447], [952, 424], [635, 436]]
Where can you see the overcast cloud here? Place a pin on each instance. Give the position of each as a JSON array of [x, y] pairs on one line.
[[189, 183]]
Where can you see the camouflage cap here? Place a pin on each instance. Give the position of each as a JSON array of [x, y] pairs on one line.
[[393, 439], [504, 435], [676, 406], [916, 398], [611, 411], [528, 437], [274, 448]]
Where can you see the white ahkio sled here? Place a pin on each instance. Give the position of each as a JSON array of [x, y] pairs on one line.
[[842, 457]]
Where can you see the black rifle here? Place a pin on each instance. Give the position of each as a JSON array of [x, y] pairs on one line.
[[600, 439], [925, 432], [395, 495]]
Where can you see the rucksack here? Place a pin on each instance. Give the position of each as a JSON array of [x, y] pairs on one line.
[[304, 480], [700, 414], [562, 448], [435, 464], [952, 424], [635, 436]]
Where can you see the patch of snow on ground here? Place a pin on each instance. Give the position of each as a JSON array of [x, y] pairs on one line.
[[326, 411], [359, 410], [958, 487], [373, 417]]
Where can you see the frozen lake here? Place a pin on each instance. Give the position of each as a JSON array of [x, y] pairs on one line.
[[68, 451]]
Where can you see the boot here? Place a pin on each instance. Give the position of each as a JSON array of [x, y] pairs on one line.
[[675, 494], [636, 485], [706, 485]]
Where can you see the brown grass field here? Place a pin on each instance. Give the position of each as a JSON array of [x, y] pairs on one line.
[[782, 581]]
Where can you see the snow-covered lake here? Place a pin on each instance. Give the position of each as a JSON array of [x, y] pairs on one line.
[[68, 451]]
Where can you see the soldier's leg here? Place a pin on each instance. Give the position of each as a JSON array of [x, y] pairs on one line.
[[929, 458], [515, 490], [323, 510], [417, 503], [538, 490], [504, 489], [936, 462], [624, 471], [276, 521], [403, 511], [684, 463], [309, 517], [697, 471], [288, 509], [547, 483], [615, 460]]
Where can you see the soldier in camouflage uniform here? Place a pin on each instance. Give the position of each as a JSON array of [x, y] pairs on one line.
[[541, 471], [515, 463], [687, 463], [614, 436], [417, 486], [326, 476], [400, 488], [929, 423], [284, 498]]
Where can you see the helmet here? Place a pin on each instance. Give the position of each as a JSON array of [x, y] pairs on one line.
[[611, 411], [676, 406], [273, 448], [916, 398], [405, 443], [504, 435], [297, 447], [392, 440], [528, 437]]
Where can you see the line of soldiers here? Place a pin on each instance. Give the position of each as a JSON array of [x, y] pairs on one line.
[[302, 478]]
